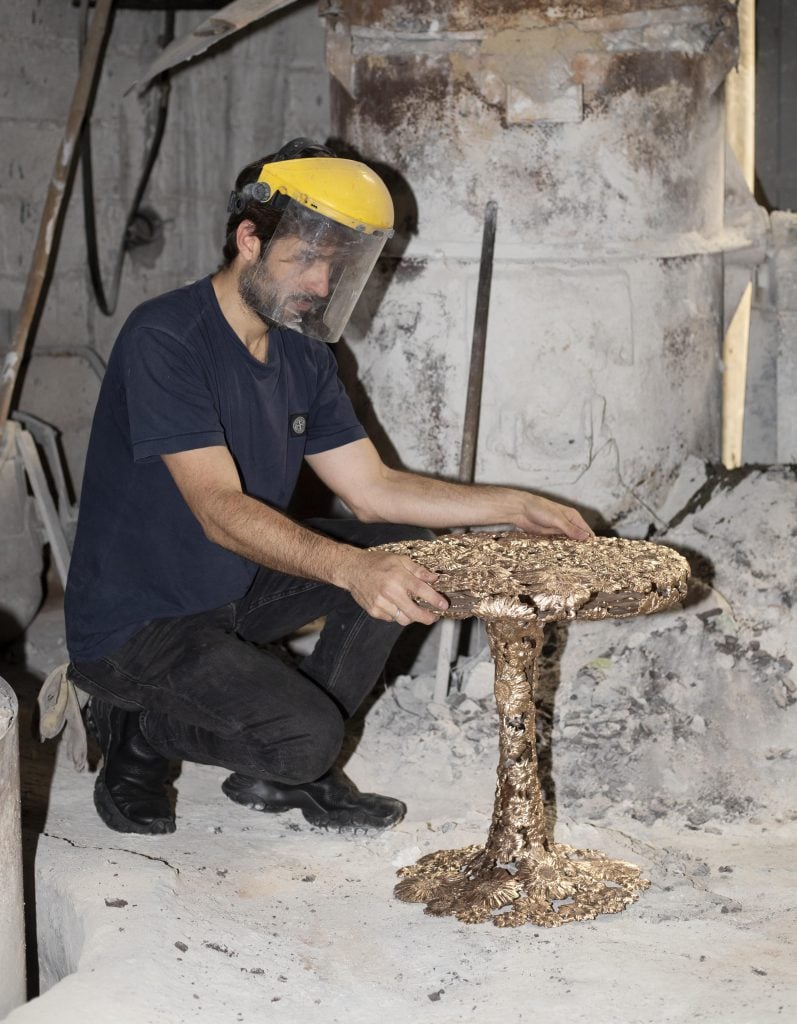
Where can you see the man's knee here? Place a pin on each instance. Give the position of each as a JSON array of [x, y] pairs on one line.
[[313, 751]]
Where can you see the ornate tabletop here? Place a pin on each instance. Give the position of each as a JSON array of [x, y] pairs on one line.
[[516, 583]]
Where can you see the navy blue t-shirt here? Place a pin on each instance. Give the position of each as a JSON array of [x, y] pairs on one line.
[[180, 378]]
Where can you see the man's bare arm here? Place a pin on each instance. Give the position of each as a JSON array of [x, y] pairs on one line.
[[375, 493], [386, 586]]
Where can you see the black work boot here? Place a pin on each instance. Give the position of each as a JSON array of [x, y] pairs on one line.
[[333, 801], [130, 791]]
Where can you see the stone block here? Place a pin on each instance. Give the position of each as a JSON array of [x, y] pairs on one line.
[[784, 238], [564, 106], [42, 19], [479, 682], [787, 388], [307, 109], [30, 147], [546, 419], [11, 288], [38, 76], [761, 403]]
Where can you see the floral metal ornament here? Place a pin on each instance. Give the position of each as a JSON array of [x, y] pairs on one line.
[[516, 583]]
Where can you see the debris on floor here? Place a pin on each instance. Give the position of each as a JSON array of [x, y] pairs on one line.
[[667, 740]]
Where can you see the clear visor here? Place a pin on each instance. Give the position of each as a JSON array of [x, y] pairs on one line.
[[313, 272]]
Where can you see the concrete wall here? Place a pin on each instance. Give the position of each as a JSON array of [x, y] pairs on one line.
[[236, 104], [776, 103], [599, 129], [770, 431], [608, 270]]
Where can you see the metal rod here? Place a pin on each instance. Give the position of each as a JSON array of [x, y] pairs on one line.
[[449, 629], [54, 207], [59, 546], [470, 430]]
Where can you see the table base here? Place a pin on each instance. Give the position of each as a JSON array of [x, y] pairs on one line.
[[559, 884], [516, 584]]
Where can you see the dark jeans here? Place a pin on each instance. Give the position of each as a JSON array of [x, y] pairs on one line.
[[208, 693]]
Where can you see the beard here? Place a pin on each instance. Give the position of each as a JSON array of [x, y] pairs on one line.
[[257, 295], [262, 297]]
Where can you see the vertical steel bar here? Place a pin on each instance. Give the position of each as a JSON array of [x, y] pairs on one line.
[[470, 431], [449, 628]]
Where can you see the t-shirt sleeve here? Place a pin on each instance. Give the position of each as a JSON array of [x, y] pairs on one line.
[[332, 421], [170, 406]]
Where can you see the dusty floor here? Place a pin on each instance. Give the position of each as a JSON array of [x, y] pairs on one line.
[[244, 917]]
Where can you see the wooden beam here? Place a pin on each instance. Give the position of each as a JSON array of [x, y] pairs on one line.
[[740, 131]]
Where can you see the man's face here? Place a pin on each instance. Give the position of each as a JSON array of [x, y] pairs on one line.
[[290, 282]]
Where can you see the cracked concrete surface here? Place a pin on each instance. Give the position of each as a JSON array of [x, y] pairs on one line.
[[241, 916]]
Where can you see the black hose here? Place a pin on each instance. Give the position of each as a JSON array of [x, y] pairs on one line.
[[107, 300]]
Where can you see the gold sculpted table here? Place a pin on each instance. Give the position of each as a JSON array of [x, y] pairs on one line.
[[516, 583]]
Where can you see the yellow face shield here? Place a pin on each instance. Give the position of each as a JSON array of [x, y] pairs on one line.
[[314, 270], [335, 217], [346, 191]]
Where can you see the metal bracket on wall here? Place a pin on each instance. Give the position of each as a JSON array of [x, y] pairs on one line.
[[220, 26], [53, 527], [46, 437]]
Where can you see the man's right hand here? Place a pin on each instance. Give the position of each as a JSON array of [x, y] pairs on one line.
[[387, 586]]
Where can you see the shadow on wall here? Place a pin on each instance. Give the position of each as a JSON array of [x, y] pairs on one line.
[[390, 263], [549, 702], [311, 497]]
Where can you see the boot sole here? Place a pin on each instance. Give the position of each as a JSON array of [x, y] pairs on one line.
[[114, 819], [342, 820]]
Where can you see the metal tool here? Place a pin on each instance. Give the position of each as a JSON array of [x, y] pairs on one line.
[[449, 628]]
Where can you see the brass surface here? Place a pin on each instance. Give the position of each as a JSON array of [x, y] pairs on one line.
[[517, 583], [496, 575]]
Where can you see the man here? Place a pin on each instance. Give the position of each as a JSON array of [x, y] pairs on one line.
[[185, 563]]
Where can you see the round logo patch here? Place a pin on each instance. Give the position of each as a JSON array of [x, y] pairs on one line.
[[298, 422]]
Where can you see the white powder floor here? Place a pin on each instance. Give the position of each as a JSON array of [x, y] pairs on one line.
[[244, 917]]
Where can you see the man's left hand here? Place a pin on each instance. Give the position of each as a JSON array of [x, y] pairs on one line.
[[541, 516]]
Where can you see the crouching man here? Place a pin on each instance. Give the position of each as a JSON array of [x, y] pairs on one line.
[[185, 563]]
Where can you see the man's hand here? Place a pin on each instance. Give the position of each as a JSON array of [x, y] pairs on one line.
[[376, 493], [542, 516], [387, 587]]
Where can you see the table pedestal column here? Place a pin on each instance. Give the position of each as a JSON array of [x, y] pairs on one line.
[[519, 867]]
